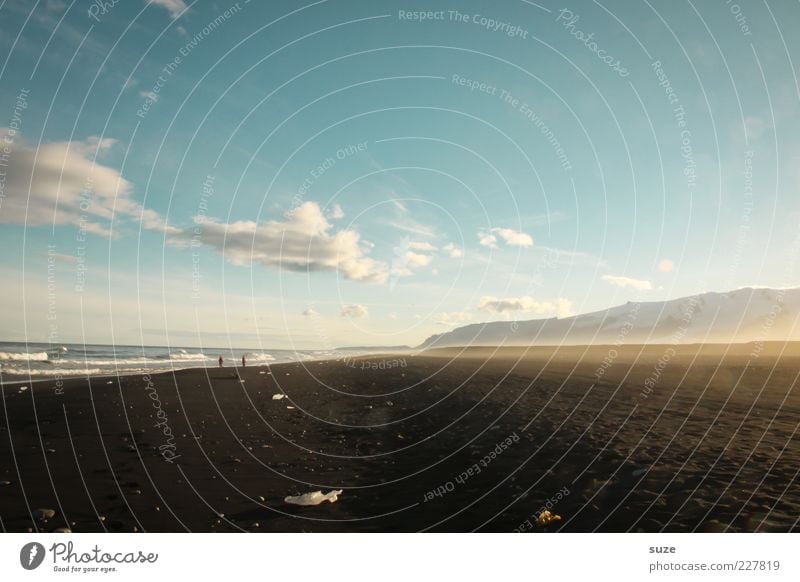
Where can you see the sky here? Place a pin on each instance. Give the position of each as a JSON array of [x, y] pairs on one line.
[[337, 173]]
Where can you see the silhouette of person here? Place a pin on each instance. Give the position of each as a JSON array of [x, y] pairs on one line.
[[244, 362], [220, 361]]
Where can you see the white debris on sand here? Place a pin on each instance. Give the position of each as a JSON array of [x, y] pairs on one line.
[[313, 498], [278, 396]]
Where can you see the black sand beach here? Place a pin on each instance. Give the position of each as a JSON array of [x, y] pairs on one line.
[[451, 440]]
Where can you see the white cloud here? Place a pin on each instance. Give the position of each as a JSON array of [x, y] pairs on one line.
[[411, 226], [415, 260], [628, 282], [175, 7], [400, 206], [310, 312], [421, 246], [511, 237], [336, 212], [452, 317], [62, 183], [403, 265], [354, 311], [453, 251], [487, 240], [406, 259], [560, 307], [149, 95], [302, 242]]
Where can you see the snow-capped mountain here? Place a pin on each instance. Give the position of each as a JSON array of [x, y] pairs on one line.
[[743, 315]]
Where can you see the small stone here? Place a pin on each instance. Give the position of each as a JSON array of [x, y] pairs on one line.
[[62, 530], [5, 483], [44, 513], [261, 498]]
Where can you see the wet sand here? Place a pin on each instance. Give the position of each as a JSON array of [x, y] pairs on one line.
[[481, 439]]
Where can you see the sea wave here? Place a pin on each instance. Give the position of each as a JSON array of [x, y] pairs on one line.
[[57, 372], [24, 356], [188, 357], [260, 357], [110, 362]]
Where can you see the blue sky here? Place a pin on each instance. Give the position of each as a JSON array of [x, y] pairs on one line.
[[282, 174]]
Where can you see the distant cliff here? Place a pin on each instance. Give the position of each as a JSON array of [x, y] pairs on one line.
[[744, 315]]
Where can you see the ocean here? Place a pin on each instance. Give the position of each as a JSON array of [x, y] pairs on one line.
[[21, 362]]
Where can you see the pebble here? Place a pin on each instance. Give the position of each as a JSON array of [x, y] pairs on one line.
[[5, 483], [62, 530], [44, 513]]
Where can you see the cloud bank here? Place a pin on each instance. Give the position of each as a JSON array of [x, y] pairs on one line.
[[62, 183], [304, 241], [511, 237], [628, 282], [560, 307]]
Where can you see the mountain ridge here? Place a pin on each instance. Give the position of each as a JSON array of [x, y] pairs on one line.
[[743, 315]]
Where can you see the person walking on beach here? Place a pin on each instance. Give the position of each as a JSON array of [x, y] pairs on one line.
[[244, 362], [220, 361]]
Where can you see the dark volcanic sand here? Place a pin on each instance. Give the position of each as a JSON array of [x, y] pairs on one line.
[[713, 447]]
